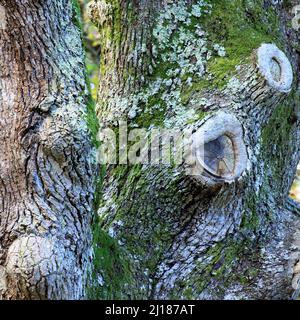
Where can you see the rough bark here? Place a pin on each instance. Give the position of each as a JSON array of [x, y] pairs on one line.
[[172, 236], [46, 161]]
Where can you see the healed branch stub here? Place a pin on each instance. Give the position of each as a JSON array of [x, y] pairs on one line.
[[218, 145], [275, 67], [265, 82], [219, 150]]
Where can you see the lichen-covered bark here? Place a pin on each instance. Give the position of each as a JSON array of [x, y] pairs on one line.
[[175, 64], [46, 162]]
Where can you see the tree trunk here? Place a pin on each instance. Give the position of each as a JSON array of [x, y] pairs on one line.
[[46, 160], [219, 226], [224, 68]]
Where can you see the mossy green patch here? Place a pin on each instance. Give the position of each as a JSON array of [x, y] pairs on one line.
[[220, 261], [139, 203], [250, 218], [275, 140], [111, 31], [77, 20], [240, 26], [152, 116], [111, 273], [114, 22], [187, 92], [92, 121]]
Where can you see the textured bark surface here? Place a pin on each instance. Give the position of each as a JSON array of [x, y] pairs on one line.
[[160, 232], [171, 236], [46, 163]]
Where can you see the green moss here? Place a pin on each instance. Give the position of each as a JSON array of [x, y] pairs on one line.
[[250, 218], [250, 221], [275, 141], [111, 33], [240, 26], [111, 265], [92, 120], [222, 262], [278, 129], [77, 20], [139, 203], [99, 187], [112, 28], [187, 92], [90, 115], [152, 117], [188, 294]]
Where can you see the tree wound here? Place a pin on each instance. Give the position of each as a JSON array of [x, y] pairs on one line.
[[219, 156], [275, 69], [219, 149]]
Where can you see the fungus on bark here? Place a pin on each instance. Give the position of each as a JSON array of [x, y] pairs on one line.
[[219, 151]]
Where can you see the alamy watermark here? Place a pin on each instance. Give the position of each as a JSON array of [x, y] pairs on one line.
[[154, 147]]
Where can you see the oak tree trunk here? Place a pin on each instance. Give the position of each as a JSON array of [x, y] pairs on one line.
[[160, 233]]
